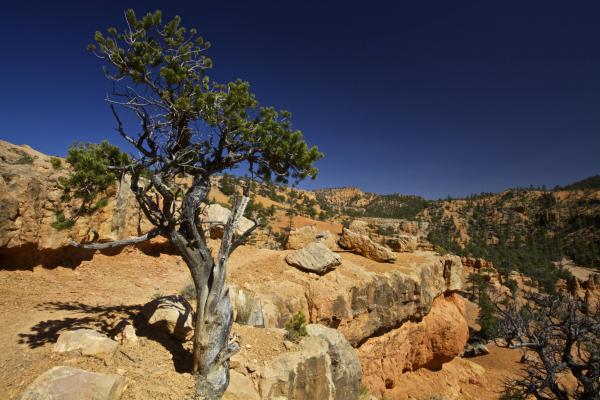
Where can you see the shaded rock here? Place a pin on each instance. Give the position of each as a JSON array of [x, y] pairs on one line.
[[88, 341], [305, 235], [125, 332], [346, 371], [315, 257], [529, 357], [217, 216], [364, 246], [402, 243], [475, 349], [437, 339], [172, 315], [240, 388], [65, 383]]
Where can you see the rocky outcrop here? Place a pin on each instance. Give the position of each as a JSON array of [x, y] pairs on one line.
[[216, 216], [435, 340], [477, 263], [364, 246], [402, 243], [360, 298], [301, 237], [315, 257], [304, 374], [88, 341], [172, 315], [65, 383], [360, 227], [30, 199], [326, 367], [346, 372]]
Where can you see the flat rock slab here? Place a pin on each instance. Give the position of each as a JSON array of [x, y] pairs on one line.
[[66, 383], [88, 341], [363, 245], [315, 257]]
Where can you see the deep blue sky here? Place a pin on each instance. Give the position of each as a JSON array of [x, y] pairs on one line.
[[419, 97]]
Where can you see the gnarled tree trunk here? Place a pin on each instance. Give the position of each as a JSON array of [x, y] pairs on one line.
[[214, 312]]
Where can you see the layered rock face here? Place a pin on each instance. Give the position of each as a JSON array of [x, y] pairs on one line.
[[400, 317], [360, 298], [30, 198], [326, 367], [435, 340]]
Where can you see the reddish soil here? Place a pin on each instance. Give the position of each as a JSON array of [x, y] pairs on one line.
[[36, 305]]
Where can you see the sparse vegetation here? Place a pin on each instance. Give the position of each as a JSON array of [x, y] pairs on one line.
[[24, 159], [296, 327], [227, 184], [244, 311], [564, 334], [60, 222], [56, 163]]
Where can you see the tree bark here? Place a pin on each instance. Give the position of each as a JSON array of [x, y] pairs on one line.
[[214, 312]]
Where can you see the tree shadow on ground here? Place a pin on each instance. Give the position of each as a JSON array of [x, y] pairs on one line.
[[104, 319], [28, 256]]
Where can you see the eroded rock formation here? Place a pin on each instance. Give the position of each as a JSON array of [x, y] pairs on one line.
[[438, 338]]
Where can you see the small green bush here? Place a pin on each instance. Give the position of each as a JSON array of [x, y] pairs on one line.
[[296, 327], [24, 159], [56, 163], [103, 202], [440, 250], [60, 222]]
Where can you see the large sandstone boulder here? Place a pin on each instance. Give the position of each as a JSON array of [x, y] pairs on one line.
[[172, 315], [346, 372], [402, 243], [305, 235], [217, 216], [240, 388], [88, 341], [437, 339], [325, 367], [364, 246], [304, 374], [315, 257], [65, 383], [360, 227]]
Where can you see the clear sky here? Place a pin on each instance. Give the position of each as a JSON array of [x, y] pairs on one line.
[[417, 97]]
